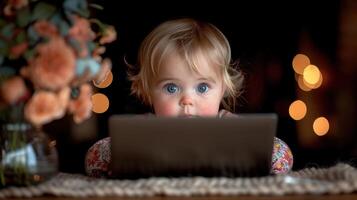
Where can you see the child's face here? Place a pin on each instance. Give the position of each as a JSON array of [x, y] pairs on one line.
[[179, 91]]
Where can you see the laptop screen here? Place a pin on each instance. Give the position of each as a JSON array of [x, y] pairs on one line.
[[173, 147]]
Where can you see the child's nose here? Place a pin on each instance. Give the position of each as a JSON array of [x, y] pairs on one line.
[[186, 101]]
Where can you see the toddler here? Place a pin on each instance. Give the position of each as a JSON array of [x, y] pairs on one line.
[[185, 70]]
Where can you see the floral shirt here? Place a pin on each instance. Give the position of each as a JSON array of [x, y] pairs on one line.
[[98, 156]]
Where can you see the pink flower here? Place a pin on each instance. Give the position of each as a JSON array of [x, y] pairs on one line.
[[43, 107], [18, 49], [81, 107], [13, 5], [97, 52], [54, 67], [82, 33], [109, 35], [81, 30], [13, 89], [106, 66], [46, 29], [17, 3], [50, 48], [64, 96]]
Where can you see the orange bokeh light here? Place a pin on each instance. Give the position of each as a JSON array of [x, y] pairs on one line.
[[297, 110], [100, 103]]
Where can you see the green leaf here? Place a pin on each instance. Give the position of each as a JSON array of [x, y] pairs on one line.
[[32, 36], [91, 46], [100, 25], [75, 44], [20, 38], [63, 28], [56, 18], [23, 17], [4, 49], [5, 72], [2, 44], [7, 30], [29, 54], [1, 59], [43, 11], [84, 13], [62, 24], [77, 6], [2, 22], [96, 6]]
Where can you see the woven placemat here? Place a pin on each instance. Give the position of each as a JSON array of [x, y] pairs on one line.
[[341, 178]]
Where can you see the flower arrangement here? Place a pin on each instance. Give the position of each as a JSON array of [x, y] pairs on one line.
[[50, 50]]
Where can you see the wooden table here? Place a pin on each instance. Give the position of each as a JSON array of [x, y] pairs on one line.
[[295, 197]]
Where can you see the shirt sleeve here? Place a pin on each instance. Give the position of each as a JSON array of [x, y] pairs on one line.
[[282, 158], [98, 158]]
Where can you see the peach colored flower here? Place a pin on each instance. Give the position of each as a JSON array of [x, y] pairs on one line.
[[18, 49], [81, 30], [54, 67], [13, 89], [109, 35], [17, 3], [81, 107], [97, 52], [46, 29], [63, 97], [82, 33], [105, 68], [43, 107], [13, 5]]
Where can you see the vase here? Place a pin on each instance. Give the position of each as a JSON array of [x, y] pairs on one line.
[[27, 155]]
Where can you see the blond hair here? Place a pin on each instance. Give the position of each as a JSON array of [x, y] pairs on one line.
[[188, 38]]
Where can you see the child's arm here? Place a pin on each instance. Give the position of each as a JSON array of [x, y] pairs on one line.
[[282, 158], [98, 158]]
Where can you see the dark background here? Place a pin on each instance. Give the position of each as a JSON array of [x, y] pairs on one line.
[[264, 36]]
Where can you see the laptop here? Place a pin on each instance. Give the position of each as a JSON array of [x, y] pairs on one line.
[[149, 146]]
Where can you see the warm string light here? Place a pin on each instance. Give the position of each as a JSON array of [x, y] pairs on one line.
[[300, 61], [297, 110], [107, 81], [308, 77], [311, 74], [101, 101], [321, 126]]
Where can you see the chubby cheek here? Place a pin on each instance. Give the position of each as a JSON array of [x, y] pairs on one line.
[[209, 109], [165, 108]]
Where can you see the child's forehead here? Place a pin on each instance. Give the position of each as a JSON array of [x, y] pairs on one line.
[[196, 60], [197, 64]]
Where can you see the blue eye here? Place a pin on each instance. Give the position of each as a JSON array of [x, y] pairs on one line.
[[171, 88], [202, 88]]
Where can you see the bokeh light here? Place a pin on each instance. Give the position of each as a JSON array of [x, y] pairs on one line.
[[311, 74], [108, 80], [300, 61], [297, 110], [100, 103], [302, 85], [313, 86], [321, 126]]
